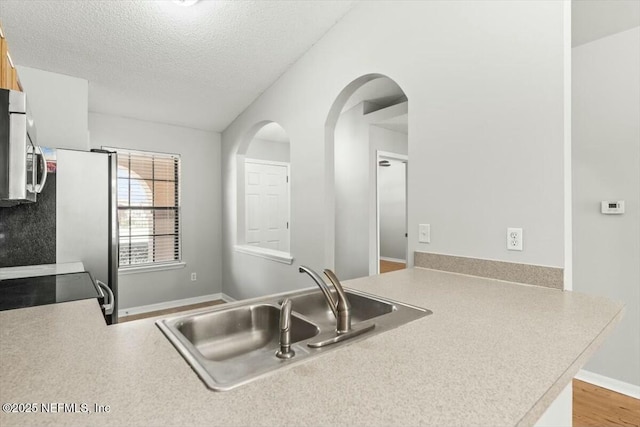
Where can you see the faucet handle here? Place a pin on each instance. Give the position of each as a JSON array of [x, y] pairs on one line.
[[343, 306], [333, 278], [342, 296]]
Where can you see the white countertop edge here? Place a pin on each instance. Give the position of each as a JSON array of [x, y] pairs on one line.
[[536, 411]]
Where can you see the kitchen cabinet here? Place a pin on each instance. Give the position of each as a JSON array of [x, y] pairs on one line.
[[8, 73]]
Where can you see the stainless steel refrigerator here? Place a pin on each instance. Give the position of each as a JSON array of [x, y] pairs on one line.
[[74, 219], [87, 214]]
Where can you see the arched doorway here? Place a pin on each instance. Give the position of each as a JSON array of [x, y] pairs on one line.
[[368, 119]]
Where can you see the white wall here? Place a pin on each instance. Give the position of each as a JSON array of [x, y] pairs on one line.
[[268, 150], [486, 131], [60, 106], [606, 166], [393, 212], [352, 194], [200, 198]]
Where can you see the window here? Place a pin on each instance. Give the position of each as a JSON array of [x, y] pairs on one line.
[[148, 208]]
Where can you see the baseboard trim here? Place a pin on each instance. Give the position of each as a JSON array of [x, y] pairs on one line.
[[609, 383], [398, 260], [227, 298], [172, 304]]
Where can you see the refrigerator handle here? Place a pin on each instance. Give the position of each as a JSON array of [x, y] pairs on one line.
[[38, 152], [108, 307]]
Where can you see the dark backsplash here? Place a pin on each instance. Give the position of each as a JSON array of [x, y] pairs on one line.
[[28, 231]]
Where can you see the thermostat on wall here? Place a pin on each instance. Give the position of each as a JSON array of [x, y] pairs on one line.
[[612, 208]]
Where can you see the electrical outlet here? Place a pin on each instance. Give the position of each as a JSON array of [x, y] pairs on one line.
[[514, 239], [194, 277], [424, 233]]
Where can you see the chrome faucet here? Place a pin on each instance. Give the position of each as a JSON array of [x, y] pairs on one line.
[[285, 351], [340, 305]]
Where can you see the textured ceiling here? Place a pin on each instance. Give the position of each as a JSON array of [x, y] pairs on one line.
[[196, 66], [594, 19]]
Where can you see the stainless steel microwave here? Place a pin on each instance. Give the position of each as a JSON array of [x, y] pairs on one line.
[[23, 167]]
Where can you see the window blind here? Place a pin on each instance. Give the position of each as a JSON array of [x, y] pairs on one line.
[[148, 207]]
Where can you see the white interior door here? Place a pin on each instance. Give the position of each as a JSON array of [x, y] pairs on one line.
[[267, 204]]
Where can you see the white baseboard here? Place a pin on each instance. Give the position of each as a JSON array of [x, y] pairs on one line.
[[402, 261], [609, 383], [172, 304], [226, 298]]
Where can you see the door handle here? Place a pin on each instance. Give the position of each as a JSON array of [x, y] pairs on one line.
[[40, 185], [108, 306]]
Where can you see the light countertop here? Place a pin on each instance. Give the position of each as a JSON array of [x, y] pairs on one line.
[[493, 353]]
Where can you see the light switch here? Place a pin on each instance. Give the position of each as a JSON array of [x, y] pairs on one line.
[[612, 208], [424, 233]]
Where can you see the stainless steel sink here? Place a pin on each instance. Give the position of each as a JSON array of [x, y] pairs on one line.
[[223, 335], [233, 344], [314, 305]]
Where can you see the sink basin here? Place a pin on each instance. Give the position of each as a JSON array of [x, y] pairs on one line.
[[222, 335], [236, 343], [314, 305]]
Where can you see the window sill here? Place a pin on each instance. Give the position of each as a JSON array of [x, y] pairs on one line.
[[152, 267], [270, 254]]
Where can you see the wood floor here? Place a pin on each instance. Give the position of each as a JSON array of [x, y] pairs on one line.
[[593, 406], [388, 266], [597, 406], [169, 311]]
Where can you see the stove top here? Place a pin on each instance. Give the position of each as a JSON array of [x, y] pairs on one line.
[[42, 290]]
